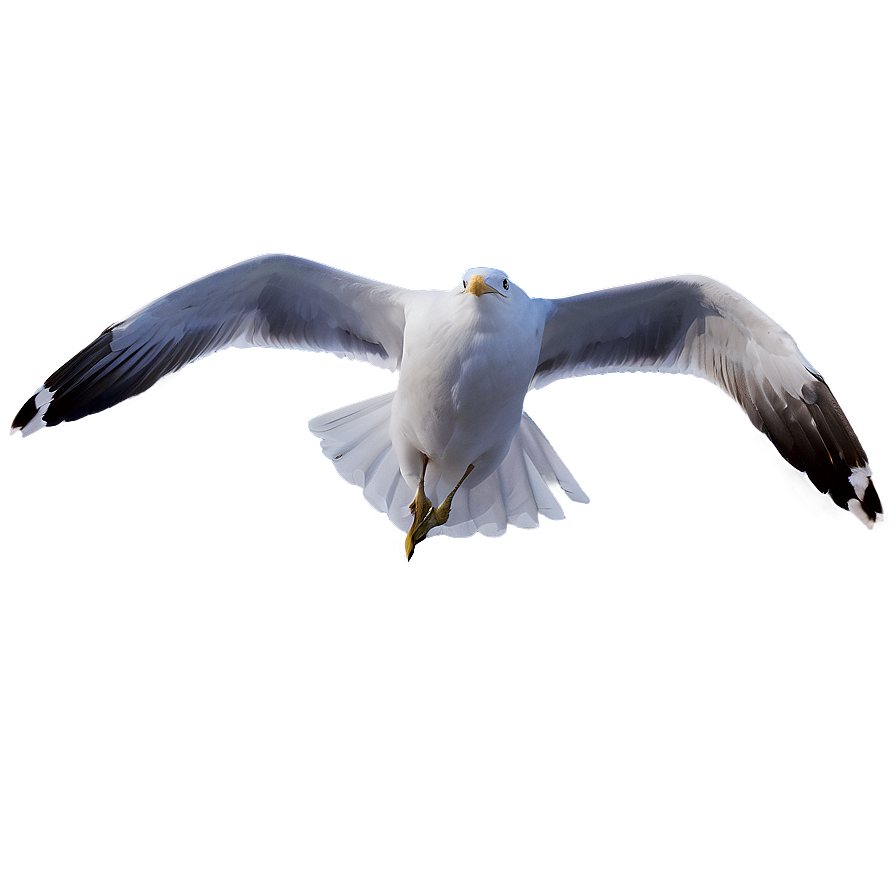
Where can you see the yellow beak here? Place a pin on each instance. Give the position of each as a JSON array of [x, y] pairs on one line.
[[478, 286]]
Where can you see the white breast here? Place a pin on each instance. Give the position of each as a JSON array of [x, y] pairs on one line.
[[466, 367]]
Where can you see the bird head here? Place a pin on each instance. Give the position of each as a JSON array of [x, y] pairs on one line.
[[482, 281]]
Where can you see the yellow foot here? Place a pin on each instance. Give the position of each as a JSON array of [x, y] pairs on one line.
[[427, 517], [417, 533], [421, 501], [421, 507]]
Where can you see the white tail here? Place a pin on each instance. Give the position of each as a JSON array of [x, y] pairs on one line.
[[356, 439]]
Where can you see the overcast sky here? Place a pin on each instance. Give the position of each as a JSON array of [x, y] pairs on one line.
[[220, 674]]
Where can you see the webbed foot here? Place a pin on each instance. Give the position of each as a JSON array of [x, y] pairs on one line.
[[427, 517]]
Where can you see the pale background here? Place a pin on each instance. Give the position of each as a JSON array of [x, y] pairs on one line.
[[217, 672]]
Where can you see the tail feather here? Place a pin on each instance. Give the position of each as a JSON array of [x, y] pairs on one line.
[[514, 481], [356, 439], [545, 459], [545, 500], [487, 511]]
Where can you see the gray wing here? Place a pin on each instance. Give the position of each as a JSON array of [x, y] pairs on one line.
[[695, 325], [274, 300]]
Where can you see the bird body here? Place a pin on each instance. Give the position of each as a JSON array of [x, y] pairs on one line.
[[467, 364], [455, 430]]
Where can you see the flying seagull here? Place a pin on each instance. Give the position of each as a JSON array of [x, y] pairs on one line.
[[451, 449]]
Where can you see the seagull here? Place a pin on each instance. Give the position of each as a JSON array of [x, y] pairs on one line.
[[451, 449]]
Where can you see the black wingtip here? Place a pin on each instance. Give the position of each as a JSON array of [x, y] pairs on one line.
[[866, 505], [26, 414], [861, 498]]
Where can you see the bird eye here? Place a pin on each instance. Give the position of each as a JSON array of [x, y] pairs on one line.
[[465, 284], [506, 284]]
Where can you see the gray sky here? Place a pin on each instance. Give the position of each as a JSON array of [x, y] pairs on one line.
[[219, 672]]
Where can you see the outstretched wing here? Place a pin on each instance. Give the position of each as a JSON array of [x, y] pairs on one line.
[[696, 325], [274, 300]]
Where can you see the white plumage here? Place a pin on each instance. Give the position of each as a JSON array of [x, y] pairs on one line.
[[467, 357]]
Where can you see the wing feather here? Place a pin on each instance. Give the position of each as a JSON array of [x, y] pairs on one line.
[[695, 325], [275, 300]]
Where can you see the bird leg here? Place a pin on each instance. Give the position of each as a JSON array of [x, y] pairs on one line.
[[421, 505], [426, 516]]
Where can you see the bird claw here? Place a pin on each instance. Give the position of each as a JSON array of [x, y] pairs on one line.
[[418, 531], [426, 516], [424, 502]]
